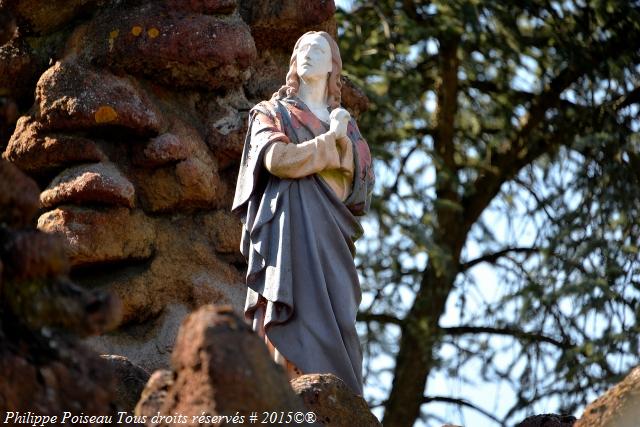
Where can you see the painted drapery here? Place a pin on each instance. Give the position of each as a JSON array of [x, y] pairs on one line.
[[298, 239]]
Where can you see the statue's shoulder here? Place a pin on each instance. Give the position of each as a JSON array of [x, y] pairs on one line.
[[268, 107]]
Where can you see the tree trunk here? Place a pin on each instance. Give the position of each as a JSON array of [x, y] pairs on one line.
[[414, 362]]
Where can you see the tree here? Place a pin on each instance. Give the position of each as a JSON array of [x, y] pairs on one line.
[[505, 134]]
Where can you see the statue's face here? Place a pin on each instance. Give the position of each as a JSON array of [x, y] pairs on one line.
[[313, 57]]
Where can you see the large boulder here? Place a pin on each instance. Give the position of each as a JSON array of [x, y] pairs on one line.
[[333, 403], [618, 407], [548, 420], [174, 44], [219, 367], [130, 380]]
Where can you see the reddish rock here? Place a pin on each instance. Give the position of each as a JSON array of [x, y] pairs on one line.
[[18, 196], [284, 21], [19, 68], [30, 255], [7, 26], [171, 47], [353, 98], [108, 235], [228, 147], [130, 381], [548, 420], [184, 273], [71, 96], [227, 120], [333, 402], [271, 69], [206, 7], [32, 150], [154, 393], [8, 117], [66, 376], [97, 183], [44, 371], [225, 230], [187, 185], [46, 16], [618, 407], [220, 367], [164, 149], [57, 303]]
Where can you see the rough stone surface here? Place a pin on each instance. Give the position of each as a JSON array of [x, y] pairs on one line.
[[155, 392], [618, 407], [8, 116], [44, 368], [188, 50], [33, 150], [108, 235], [70, 96], [18, 68], [63, 377], [30, 255], [548, 420], [224, 231], [284, 21], [130, 381], [7, 26], [227, 127], [100, 183], [153, 338], [45, 16], [332, 401], [166, 148], [219, 367], [353, 97], [18, 196], [207, 7], [59, 303]]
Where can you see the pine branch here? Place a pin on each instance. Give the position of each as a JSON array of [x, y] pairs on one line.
[[462, 402], [508, 331], [491, 258], [379, 317]]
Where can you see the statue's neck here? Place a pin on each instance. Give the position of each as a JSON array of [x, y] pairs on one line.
[[314, 93]]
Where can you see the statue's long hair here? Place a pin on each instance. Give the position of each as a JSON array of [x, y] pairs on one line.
[[334, 84]]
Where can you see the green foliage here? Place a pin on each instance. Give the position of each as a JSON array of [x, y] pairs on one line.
[[540, 178]]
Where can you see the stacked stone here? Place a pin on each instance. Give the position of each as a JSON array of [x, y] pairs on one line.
[[43, 367]]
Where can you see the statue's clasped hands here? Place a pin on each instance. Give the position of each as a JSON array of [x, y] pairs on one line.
[[338, 125]]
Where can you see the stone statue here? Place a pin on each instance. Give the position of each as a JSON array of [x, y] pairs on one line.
[[305, 174]]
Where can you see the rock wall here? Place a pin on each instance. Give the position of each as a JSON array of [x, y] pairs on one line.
[[44, 368], [130, 117]]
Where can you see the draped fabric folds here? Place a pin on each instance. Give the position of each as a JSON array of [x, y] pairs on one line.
[[298, 239]]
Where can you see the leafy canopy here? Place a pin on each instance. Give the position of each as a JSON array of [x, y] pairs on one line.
[[505, 134]]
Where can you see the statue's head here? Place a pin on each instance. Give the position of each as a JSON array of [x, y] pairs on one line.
[[315, 55]]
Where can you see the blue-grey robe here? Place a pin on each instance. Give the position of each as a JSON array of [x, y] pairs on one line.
[[298, 239]]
